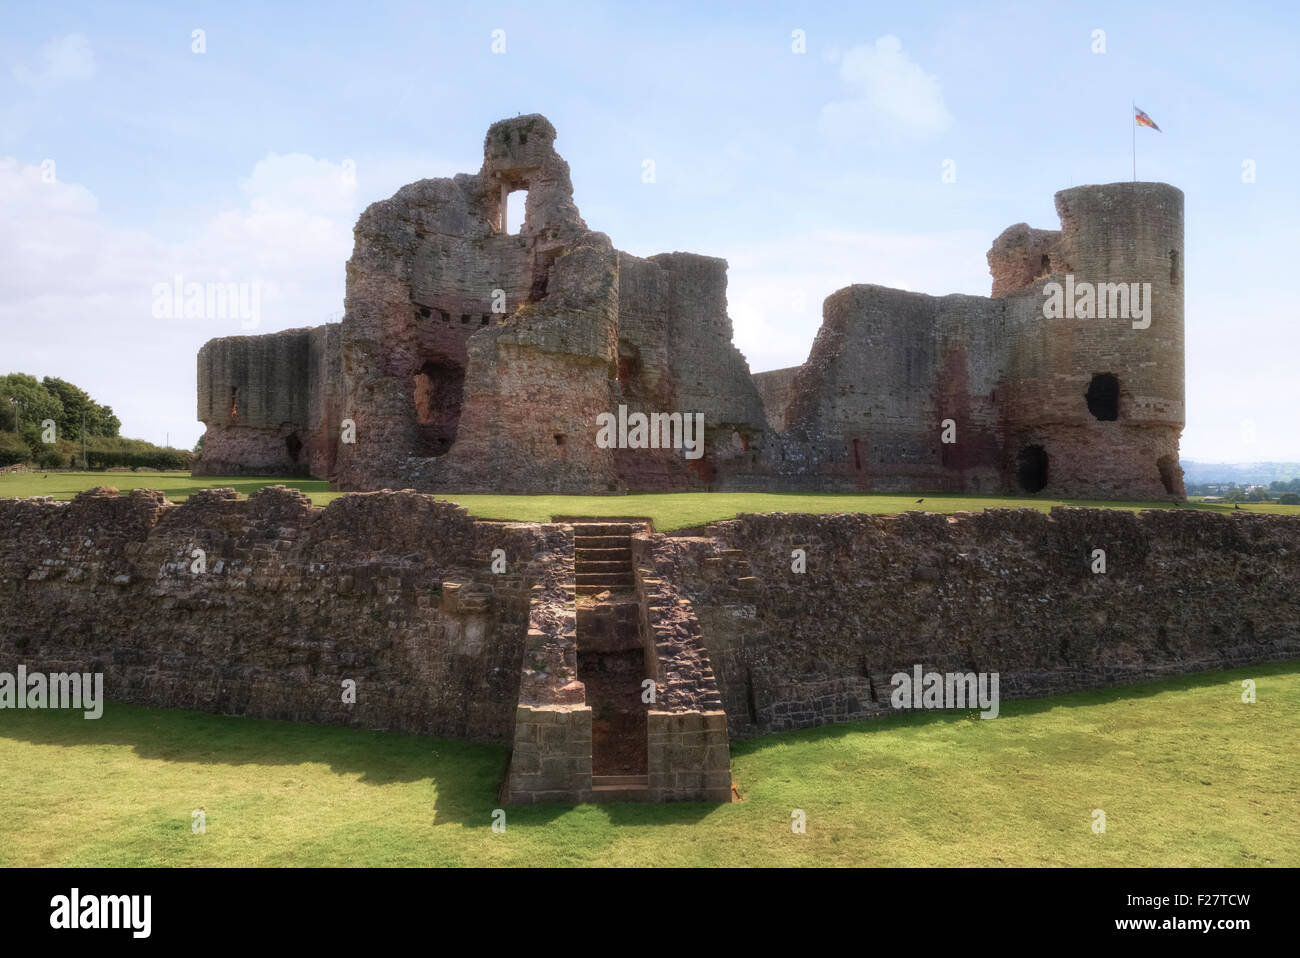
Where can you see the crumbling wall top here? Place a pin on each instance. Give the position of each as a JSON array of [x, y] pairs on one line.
[[1020, 255]]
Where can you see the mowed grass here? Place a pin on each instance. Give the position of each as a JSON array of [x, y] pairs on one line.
[[1186, 773], [670, 511]]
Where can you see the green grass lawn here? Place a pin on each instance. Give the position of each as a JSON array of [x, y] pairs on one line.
[[1186, 773], [670, 511]]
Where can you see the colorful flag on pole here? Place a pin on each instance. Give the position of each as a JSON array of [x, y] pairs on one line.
[[1144, 120]]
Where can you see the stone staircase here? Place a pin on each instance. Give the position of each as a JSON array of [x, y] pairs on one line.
[[602, 553], [620, 788]]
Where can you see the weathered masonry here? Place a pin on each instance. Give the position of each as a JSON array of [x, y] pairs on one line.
[[585, 730], [553, 656], [473, 358]]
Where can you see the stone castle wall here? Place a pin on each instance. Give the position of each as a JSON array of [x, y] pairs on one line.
[[393, 591], [889, 368], [271, 403], [1121, 233], [776, 387], [481, 340], [1007, 591]]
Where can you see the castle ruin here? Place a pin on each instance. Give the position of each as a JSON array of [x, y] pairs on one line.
[[617, 663], [475, 359]]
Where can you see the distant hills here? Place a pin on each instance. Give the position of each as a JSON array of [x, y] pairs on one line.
[[1242, 473]]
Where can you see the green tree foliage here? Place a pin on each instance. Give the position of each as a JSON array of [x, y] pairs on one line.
[[12, 449], [25, 404], [79, 407]]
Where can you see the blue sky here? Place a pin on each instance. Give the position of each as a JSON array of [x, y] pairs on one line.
[[807, 171]]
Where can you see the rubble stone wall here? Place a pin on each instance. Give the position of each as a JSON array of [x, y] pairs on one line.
[[391, 590], [1006, 591], [395, 592]]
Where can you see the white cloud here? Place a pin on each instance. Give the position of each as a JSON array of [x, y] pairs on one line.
[[775, 289], [76, 291], [76, 294], [66, 60], [34, 191], [893, 94], [296, 181]]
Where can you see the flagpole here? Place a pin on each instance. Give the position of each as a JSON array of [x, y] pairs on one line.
[[1132, 120]]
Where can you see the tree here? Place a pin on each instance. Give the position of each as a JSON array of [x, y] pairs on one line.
[[107, 423], [77, 405], [33, 405]]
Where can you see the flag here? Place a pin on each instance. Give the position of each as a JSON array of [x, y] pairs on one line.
[[1144, 120]]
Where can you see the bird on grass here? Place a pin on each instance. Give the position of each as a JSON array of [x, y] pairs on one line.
[[920, 500], [1236, 505]]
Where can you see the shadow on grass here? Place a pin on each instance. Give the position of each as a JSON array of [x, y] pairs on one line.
[[465, 778], [1018, 708], [464, 775]]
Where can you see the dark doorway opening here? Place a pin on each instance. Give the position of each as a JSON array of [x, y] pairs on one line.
[[1103, 397], [1033, 468], [293, 446], [439, 392], [629, 369], [704, 470]]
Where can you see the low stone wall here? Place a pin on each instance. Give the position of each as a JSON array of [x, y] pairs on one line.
[[1006, 591], [390, 590], [551, 761], [675, 652], [689, 757], [394, 592]]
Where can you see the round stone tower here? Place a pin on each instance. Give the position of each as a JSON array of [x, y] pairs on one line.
[[1095, 404]]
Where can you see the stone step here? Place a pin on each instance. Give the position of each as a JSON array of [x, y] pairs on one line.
[[603, 555], [601, 542], [620, 788], [618, 568], [598, 589], [603, 529], [619, 780], [603, 578]]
